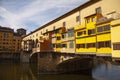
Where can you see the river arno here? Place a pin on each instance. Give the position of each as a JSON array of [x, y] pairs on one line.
[[25, 71]]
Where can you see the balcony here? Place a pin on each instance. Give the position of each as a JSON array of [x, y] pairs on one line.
[[58, 34], [67, 39]]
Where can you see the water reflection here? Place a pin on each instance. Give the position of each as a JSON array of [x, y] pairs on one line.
[[106, 71], [20, 71], [16, 71]]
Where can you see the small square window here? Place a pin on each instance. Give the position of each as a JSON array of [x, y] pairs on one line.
[[41, 32], [93, 19], [46, 30], [88, 20], [64, 24], [37, 34], [54, 28], [98, 10]]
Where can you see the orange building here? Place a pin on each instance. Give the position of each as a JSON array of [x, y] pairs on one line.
[[9, 40]]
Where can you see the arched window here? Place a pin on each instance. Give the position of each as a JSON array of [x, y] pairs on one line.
[[33, 43], [36, 43]]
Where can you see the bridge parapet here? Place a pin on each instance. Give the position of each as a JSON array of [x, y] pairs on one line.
[[34, 50]]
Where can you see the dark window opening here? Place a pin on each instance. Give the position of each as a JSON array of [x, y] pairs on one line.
[[81, 33], [64, 24], [99, 29], [77, 18], [53, 45], [92, 31], [98, 10], [80, 46], [107, 27], [93, 19], [57, 45], [88, 20], [103, 28], [63, 36], [64, 45], [104, 44], [58, 38], [91, 45], [116, 46]]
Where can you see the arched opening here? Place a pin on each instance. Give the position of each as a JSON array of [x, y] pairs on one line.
[[33, 58]]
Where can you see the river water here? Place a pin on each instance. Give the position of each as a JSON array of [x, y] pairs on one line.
[[25, 71]]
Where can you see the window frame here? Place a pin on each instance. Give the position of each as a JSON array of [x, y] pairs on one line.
[[116, 46], [64, 24], [77, 18]]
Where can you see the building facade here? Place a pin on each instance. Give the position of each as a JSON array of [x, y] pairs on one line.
[[21, 32], [115, 42], [87, 29], [9, 40]]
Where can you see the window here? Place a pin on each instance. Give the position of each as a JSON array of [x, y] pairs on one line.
[[36, 34], [58, 38], [98, 10], [46, 30], [100, 44], [70, 33], [90, 45], [116, 46], [77, 18], [108, 44], [64, 24], [103, 28], [57, 45], [92, 31], [99, 29], [80, 46], [81, 33], [64, 45], [71, 44], [38, 45], [6, 35], [54, 28], [57, 31], [53, 45], [106, 27], [88, 20], [41, 32], [64, 35], [104, 44], [93, 19]]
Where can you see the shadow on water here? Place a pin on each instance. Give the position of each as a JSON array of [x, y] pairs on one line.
[[24, 71], [65, 77]]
